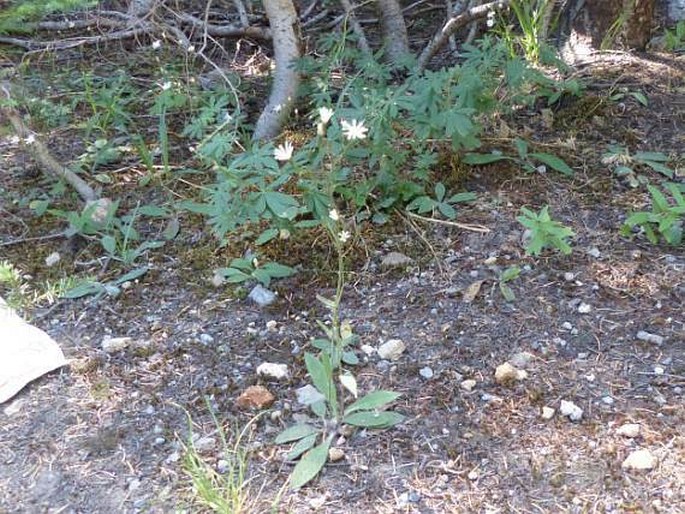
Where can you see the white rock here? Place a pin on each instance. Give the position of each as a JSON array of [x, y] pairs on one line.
[[547, 413], [272, 325], [643, 335], [567, 325], [204, 444], [335, 454], [206, 339], [426, 372], [468, 385], [571, 410], [568, 276], [584, 308], [630, 430], [115, 344], [607, 400], [52, 259], [520, 359], [594, 252], [658, 370], [639, 460], [395, 260], [367, 349], [262, 296], [273, 370], [506, 373], [392, 349], [473, 475]]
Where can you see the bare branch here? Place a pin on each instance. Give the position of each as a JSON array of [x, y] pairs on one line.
[[454, 24], [356, 26]]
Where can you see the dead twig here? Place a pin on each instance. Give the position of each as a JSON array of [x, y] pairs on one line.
[[464, 226]]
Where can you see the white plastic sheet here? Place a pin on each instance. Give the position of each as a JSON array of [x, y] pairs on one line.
[[26, 353]]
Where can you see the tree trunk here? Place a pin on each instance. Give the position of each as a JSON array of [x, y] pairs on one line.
[[286, 41], [394, 30], [611, 23]]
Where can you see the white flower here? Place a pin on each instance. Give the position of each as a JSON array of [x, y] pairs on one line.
[[344, 236], [333, 214], [325, 114], [284, 152], [191, 48], [490, 22], [354, 130], [165, 86], [30, 139], [156, 45]]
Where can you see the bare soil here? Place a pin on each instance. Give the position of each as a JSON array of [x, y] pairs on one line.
[[103, 435]]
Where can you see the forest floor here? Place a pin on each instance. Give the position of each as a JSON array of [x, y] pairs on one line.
[[107, 433]]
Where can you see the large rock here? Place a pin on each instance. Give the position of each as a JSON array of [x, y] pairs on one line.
[[26, 353]]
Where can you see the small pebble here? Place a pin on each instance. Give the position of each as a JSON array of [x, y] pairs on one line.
[[630, 430], [569, 277], [639, 460], [566, 325], [468, 385], [607, 400], [584, 308], [473, 475], [547, 413], [426, 373], [643, 335], [206, 339], [272, 325], [658, 370], [392, 349], [571, 410]]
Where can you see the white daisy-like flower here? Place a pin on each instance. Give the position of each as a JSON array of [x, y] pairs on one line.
[[284, 152], [30, 139], [191, 49], [156, 45], [490, 22], [165, 86], [325, 114], [354, 130], [344, 236], [334, 215]]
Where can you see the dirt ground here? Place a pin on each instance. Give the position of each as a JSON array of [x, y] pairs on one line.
[[104, 435]]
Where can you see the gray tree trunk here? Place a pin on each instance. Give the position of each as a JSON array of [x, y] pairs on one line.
[[286, 42], [394, 30]]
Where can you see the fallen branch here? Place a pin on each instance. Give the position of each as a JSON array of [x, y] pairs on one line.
[[50, 164], [454, 24], [463, 226]]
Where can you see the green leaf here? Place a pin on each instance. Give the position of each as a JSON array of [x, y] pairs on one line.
[[295, 433], [350, 358], [302, 446], [266, 236], [276, 270], [131, 275], [462, 198], [84, 289], [554, 162], [153, 210], [109, 244], [510, 273], [507, 292], [439, 191], [640, 97], [370, 419], [447, 210], [373, 400], [330, 304], [281, 204], [521, 148], [172, 229], [321, 377], [483, 158], [232, 275], [310, 465]]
